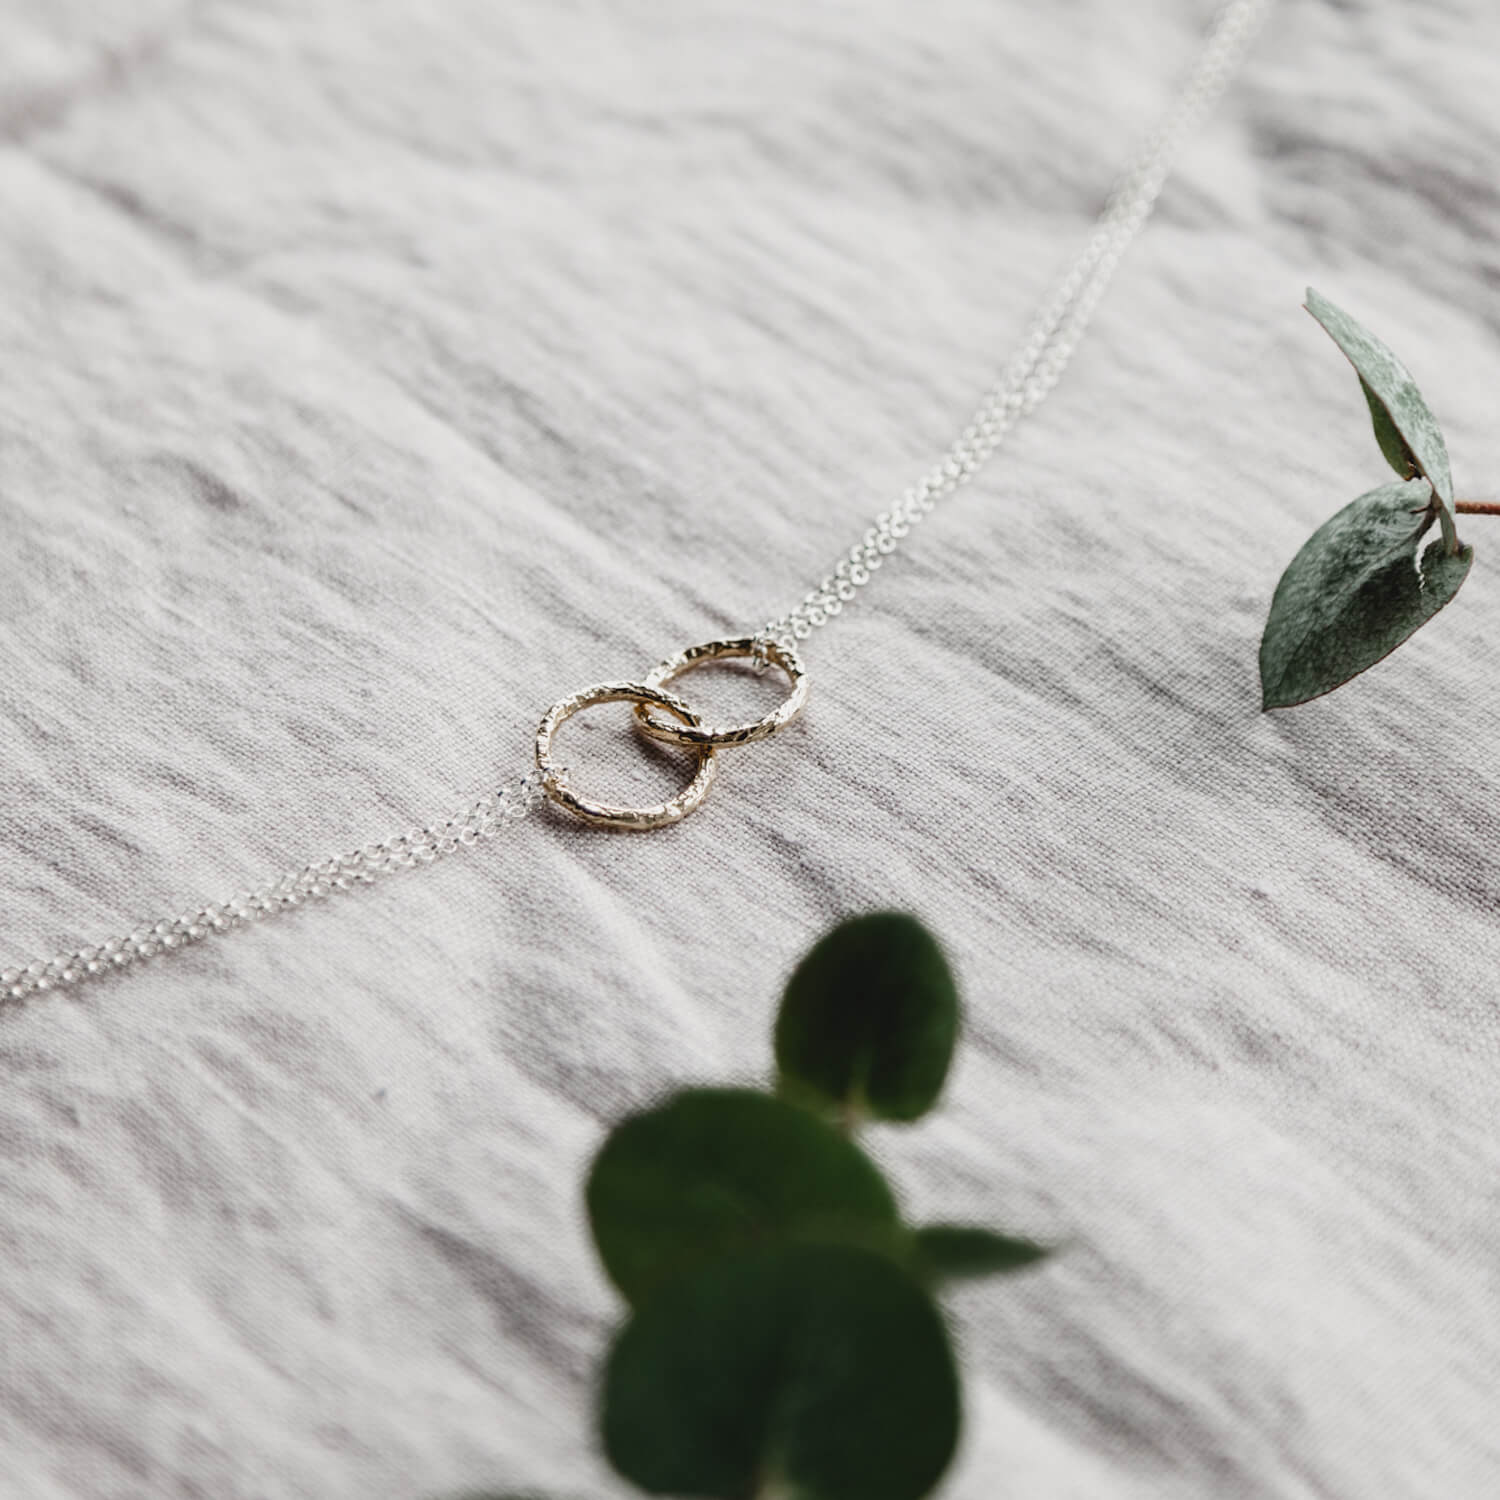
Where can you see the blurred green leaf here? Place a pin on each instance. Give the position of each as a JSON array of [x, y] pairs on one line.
[[1353, 593], [1388, 387], [818, 1371], [954, 1252], [869, 1020], [714, 1171]]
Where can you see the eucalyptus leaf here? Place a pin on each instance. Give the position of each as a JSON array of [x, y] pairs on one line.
[[816, 1371], [954, 1252], [869, 1020], [715, 1171], [1388, 386], [1354, 592], [1392, 444]]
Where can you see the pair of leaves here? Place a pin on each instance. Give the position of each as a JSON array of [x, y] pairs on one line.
[[781, 1333], [783, 1336], [1357, 588]]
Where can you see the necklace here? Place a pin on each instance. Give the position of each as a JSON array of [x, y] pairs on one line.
[[1050, 341]]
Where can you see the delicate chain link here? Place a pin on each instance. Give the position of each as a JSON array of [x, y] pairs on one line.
[[1054, 332], [339, 872], [1050, 341]]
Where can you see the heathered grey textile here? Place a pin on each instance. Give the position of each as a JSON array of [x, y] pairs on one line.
[[373, 373]]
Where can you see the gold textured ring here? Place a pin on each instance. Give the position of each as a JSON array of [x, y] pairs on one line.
[[695, 732], [554, 781]]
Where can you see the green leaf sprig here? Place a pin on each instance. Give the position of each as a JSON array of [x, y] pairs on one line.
[[783, 1338], [1361, 585]]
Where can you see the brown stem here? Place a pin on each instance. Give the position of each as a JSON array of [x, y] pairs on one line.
[[852, 1113], [1477, 507]]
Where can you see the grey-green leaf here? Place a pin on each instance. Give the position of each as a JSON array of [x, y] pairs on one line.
[[955, 1252], [1392, 444], [811, 1370], [715, 1171], [1389, 386], [1354, 592], [869, 1020]]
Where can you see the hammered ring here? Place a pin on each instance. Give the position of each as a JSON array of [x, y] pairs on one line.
[[604, 814], [695, 733]]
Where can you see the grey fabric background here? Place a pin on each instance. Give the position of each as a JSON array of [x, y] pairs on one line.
[[373, 373]]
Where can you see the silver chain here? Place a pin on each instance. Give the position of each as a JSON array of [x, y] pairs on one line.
[[1050, 342], [1054, 333], [339, 872]]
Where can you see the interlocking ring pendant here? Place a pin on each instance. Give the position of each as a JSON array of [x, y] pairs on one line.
[[740, 734], [653, 704]]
